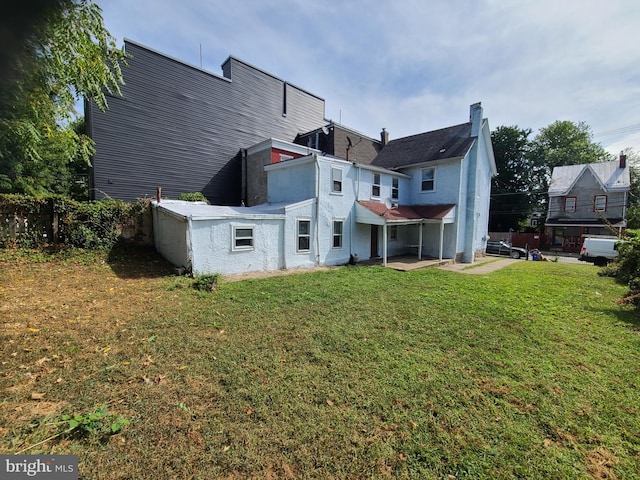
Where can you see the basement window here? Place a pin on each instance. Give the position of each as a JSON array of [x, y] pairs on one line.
[[242, 238]]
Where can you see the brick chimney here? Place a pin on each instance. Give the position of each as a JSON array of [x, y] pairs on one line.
[[384, 137], [623, 160]]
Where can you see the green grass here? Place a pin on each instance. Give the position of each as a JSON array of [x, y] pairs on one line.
[[356, 372]]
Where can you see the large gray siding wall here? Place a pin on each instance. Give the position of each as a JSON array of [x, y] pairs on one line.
[[181, 128]]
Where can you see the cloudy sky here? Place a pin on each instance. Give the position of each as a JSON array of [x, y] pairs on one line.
[[416, 65]]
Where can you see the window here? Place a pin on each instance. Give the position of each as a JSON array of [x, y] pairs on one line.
[[337, 233], [600, 203], [314, 141], [428, 179], [336, 179], [304, 235], [242, 238], [393, 232], [395, 188], [375, 188], [570, 204]]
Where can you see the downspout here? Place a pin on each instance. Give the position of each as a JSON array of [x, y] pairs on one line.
[[315, 156], [353, 216]]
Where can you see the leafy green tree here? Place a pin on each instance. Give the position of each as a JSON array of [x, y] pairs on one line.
[[65, 54], [511, 202], [559, 144], [633, 213]]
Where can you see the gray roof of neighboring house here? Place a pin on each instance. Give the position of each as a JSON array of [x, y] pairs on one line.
[[447, 142], [609, 174]]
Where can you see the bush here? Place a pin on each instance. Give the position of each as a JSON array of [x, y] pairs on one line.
[[30, 222], [626, 267], [193, 197]]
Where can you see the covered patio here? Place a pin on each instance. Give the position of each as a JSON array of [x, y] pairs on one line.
[[387, 215]]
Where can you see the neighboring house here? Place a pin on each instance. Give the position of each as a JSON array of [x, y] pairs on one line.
[[183, 128], [586, 200], [428, 194]]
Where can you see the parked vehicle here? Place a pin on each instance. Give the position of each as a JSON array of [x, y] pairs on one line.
[[599, 251], [504, 248]]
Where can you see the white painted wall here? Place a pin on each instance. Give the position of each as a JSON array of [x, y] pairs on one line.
[[171, 238], [212, 244]]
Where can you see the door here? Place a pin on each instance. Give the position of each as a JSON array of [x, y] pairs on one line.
[[374, 241]]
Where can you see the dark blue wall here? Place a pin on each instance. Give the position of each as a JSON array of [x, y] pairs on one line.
[[182, 128]]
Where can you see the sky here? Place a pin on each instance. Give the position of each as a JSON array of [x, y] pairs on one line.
[[413, 66]]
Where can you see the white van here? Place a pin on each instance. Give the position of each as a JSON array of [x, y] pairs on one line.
[[599, 250]]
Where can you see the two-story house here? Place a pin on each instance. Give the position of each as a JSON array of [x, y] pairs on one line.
[[432, 200], [586, 200]]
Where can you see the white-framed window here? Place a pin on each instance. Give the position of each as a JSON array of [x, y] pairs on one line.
[[600, 203], [395, 188], [242, 238], [375, 187], [338, 226], [393, 232], [570, 204], [336, 180], [304, 235], [428, 181]]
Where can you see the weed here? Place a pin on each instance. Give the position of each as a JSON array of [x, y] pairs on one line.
[[206, 283]]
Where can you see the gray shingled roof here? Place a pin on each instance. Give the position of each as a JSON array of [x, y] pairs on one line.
[[447, 142], [609, 174]]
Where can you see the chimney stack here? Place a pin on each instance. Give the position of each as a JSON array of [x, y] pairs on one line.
[[623, 160], [384, 137], [475, 117]]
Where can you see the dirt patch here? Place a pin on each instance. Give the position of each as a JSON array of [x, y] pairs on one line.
[[600, 463]]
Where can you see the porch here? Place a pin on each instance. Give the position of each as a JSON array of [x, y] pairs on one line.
[[406, 263]]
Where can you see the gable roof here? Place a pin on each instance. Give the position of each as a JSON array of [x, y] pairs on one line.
[[450, 142], [611, 177]]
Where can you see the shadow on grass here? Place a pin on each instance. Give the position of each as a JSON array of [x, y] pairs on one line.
[[130, 261], [630, 317]]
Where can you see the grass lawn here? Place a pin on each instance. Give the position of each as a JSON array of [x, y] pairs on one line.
[[355, 372]]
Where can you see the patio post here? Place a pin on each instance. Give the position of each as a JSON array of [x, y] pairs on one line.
[[420, 241], [384, 244]]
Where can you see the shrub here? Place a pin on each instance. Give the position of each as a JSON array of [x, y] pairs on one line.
[[30, 222], [626, 267], [193, 197]]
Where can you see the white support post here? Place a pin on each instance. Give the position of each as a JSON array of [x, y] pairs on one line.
[[441, 238], [384, 244], [420, 241]]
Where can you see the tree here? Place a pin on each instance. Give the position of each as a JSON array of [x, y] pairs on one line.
[[66, 54], [510, 199], [559, 144], [633, 213]]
